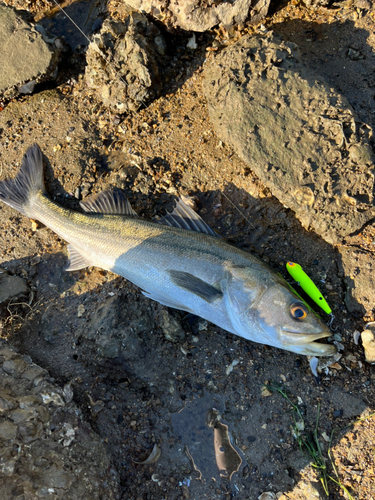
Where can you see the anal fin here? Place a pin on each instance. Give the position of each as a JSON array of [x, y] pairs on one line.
[[76, 260]]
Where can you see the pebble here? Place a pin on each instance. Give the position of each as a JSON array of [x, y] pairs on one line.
[[80, 311], [11, 286], [192, 44], [160, 45], [267, 495], [171, 327], [15, 366], [202, 325], [8, 430], [368, 342], [109, 347]]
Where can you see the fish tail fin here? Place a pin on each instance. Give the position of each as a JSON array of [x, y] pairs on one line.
[[18, 192]]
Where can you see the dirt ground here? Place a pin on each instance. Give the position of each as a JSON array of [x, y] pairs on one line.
[[97, 332]]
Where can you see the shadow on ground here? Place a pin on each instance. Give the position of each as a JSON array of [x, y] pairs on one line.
[[99, 333]]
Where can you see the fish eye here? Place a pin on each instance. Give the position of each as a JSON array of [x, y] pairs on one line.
[[298, 310]]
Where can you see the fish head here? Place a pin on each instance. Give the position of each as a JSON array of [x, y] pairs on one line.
[[295, 325], [268, 312]]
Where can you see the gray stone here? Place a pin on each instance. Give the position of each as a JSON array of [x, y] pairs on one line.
[[34, 373], [56, 478], [47, 449], [131, 78], [299, 136], [6, 402], [15, 366], [171, 327], [29, 431], [7, 467], [141, 324], [19, 415], [52, 397], [195, 15], [359, 270], [28, 401], [108, 347], [25, 56], [352, 406], [11, 286], [7, 430], [6, 354]]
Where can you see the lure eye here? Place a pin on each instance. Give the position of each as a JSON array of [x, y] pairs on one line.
[[298, 311]]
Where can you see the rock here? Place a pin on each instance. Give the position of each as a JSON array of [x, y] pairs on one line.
[[80, 310], [128, 74], [7, 430], [347, 405], [11, 286], [171, 327], [15, 366], [108, 347], [26, 57], [363, 4], [316, 3], [45, 445], [6, 402], [299, 136], [194, 15], [368, 342], [359, 269], [267, 495]]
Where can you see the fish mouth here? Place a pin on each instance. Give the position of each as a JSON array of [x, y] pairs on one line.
[[304, 343], [318, 349]]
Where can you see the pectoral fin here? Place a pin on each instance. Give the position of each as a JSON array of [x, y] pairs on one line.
[[76, 261], [195, 285]]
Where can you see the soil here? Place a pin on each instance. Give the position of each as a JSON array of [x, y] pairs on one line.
[[97, 332]]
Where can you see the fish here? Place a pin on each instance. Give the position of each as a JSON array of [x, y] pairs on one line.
[[178, 261]]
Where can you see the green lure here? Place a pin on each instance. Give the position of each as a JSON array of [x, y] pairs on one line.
[[306, 283]]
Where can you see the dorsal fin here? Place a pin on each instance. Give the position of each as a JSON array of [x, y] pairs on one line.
[[184, 217], [112, 202]]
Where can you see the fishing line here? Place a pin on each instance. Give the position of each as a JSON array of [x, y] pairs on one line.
[[122, 81], [301, 278], [95, 45], [305, 282], [250, 223], [72, 21]]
